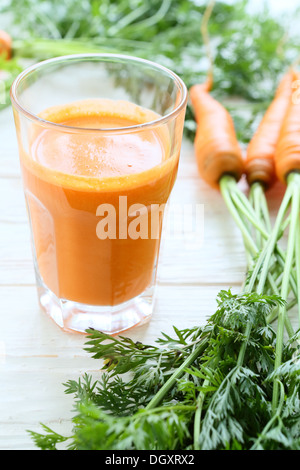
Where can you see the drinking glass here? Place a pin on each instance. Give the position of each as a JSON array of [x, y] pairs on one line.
[[99, 140]]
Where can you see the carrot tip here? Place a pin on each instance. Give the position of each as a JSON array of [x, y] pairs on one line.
[[5, 45]]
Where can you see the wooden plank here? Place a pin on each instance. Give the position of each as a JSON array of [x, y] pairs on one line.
[[26, 331]]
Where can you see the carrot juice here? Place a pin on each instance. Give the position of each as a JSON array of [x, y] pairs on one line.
[[99, 140], [69, 176]]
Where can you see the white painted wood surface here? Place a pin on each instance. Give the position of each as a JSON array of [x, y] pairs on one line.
[[36, 357]]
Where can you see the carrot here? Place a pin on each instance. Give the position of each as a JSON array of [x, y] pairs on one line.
[[221, 165], [260, 165], [216, 147], [287, 155], [287, 165], [217, 150], [5, 45]]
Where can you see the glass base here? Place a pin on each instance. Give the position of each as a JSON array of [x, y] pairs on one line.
[[74, 316]]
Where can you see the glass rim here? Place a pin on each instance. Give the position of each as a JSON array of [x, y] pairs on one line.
[[77, 57]]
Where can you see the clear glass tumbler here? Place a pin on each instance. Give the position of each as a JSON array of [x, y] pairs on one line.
[[99, 141]]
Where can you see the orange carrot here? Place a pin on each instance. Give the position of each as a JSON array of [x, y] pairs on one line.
[[216, 147], [260, 165], [5, 45], [217, 150], [287, 155]]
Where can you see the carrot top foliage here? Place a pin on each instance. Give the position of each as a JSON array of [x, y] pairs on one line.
[[149, 396], [250, 49]]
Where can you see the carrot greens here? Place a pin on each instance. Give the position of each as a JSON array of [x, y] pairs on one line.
[[210, 387], [168, 33], [207, 387]]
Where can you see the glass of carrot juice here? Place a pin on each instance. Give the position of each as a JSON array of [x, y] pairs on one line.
[[99, 140]]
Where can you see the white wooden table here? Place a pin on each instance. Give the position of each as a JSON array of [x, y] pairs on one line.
[[36, 357]]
